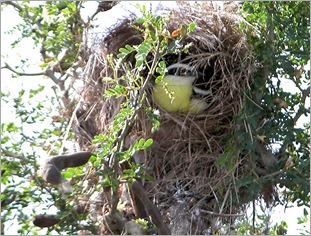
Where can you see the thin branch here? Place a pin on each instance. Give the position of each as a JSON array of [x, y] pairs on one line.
[[221, 214], [19, 8], [254, 217], [305, 94], [140, 96], [9, 154], [43, 50], [151, 209], [48, 72], [73, 116], [6, 66], [128, 124]]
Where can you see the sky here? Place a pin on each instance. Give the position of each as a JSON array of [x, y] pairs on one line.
[[25, 50]]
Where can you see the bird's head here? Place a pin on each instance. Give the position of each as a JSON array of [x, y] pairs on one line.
[[180, 69]]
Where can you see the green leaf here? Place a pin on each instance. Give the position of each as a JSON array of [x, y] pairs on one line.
[[67, 175], [4, 139], [305, 212], [121, 55], [34, 92], [191, 27], [222, 160], [140, 20], [117, 91], [227, 159], [108, 79], [123, 50], [93, 158], [129, 47], [148, 143], [114, 183], [72, 6], [21, 93], [139, 61], [141, 143]]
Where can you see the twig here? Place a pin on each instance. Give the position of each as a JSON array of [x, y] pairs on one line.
[[9, 154], [48, 72], [128, 124], [18, 7], [6, 66], [254, 216], [221, 214], [70, 122], [151, 209]]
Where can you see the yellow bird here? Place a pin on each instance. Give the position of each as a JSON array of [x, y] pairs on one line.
[[175, 92]]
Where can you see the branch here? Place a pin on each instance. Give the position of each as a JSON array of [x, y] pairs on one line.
[[128, 124], [221, 214], [140, 96], [49, 72], [43, 50], [305, 94], [19, 8], [6, 66], [151, 209], [9, 154]]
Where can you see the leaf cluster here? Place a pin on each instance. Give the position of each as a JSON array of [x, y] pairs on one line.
[[279, 35]]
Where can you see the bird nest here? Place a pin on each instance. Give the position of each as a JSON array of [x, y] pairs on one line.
[[190, 189]]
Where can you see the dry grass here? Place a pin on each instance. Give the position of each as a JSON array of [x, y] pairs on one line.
[[186, 147]]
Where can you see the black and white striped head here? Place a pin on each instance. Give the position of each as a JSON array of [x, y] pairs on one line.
[[180, 69]]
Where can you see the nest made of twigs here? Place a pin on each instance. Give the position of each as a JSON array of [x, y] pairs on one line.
[[186, 147]]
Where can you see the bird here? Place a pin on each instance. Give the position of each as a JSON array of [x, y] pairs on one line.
[[177, 92]]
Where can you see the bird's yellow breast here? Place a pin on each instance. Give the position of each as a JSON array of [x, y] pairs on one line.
[[173, 93]]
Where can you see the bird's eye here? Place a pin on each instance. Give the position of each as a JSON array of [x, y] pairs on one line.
[[185, 72]]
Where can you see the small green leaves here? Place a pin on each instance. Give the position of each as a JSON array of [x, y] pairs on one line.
[[142, 8], [161, 69], [142, 51], [191, 27], [148, 143], [108, 79], [227, 159], [117, 91], [140, 20], [34, 92], [125, 51], [142, 144]]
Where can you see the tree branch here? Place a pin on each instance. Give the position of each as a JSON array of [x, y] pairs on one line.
[[49, 72], [305, 94], [9, 154], [129, 122], [221, 214], [6, 66], [19, 8]]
